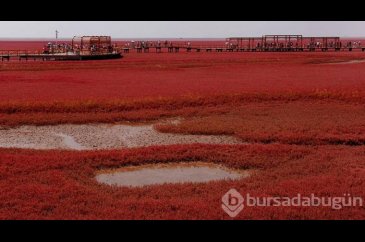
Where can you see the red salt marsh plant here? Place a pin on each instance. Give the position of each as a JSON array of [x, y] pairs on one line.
[[173, 75], [61, 185], [313, 110], [295, 122], [304, 120]]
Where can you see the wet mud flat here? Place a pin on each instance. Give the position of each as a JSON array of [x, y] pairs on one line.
[[99, 136]]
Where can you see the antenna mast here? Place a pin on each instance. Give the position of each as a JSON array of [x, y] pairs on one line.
[[57, 36]]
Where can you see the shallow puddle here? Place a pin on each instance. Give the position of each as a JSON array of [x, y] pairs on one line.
[[99, 136], [196, 172]]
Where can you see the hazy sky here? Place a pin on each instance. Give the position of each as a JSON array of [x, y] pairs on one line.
[[179, 29]]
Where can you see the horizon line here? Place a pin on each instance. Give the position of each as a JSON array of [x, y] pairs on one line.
[[131, 38]]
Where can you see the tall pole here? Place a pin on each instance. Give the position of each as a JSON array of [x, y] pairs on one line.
[[57, 36]]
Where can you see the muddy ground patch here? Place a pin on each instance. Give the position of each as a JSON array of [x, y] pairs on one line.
[[99, 136]]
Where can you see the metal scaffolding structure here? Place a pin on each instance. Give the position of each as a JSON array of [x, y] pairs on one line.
[[290, 43], [92, 44], [80, 48]]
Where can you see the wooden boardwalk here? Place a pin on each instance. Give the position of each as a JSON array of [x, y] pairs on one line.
[[176, 49], [266, 43]]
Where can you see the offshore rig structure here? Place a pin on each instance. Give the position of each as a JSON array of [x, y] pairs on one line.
[[80, 48]]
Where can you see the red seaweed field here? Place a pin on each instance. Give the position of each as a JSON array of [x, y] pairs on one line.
[[300, 117]]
